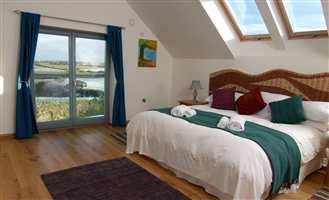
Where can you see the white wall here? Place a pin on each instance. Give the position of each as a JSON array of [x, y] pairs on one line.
[[184, 28], [186, 70], [153, 84], [304, 56], [161, 86]]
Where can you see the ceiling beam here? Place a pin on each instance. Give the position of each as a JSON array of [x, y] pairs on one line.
[[220, 21], [271, 23], [325, 7]]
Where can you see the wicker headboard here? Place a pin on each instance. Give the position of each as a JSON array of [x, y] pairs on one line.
[[314, 87]]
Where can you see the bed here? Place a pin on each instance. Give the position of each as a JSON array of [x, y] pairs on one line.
[[228, 166]]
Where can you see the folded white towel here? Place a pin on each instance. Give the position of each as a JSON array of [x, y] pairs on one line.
[[189, 112], [237, 123], [223, 122], [178, 110], [182, 111]]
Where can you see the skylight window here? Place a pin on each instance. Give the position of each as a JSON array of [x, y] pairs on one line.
[[246, 19], [303, 18]]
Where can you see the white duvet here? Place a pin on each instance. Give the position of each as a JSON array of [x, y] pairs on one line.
[[236, 167]]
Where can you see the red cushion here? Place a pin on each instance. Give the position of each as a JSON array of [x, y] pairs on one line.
[[224, 99], [250, 103]]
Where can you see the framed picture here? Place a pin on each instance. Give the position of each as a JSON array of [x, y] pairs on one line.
[[147, 53]]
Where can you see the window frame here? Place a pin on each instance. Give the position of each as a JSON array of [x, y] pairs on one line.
[[234, 23], [74, 121], [297, 35]]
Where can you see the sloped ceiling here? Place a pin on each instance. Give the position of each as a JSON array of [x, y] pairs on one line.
[[183, 27]]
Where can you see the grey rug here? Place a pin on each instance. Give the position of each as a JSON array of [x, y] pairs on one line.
[[118, 179]]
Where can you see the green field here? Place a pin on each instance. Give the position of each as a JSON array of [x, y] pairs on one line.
[[51, 103], [53, 109]]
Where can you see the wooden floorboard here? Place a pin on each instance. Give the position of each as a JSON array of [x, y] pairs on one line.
[[23, 161]]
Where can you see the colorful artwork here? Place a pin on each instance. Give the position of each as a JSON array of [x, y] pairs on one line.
[[147, 53]]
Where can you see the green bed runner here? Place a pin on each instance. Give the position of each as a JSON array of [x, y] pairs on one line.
[[280, 148]]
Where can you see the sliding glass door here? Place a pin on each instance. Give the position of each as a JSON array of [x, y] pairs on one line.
[[51, 78], [70, 79], [90, 78]]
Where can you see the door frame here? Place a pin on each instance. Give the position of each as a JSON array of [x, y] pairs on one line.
[[73, 120]]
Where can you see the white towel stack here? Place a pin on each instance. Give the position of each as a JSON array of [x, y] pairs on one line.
[[183, 111], [223, 122], [237, 123]]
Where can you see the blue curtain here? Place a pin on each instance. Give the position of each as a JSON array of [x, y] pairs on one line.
[[114, 43], [26, 124]]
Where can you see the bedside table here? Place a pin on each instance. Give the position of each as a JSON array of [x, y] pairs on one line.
[[192, 103]]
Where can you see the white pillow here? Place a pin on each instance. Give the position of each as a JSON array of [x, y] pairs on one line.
[[321, 126], [271, 97], [209, 99], [268, 98], [237, 95], [316, 111]]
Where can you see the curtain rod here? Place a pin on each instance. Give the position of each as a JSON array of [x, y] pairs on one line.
[[71, 20]]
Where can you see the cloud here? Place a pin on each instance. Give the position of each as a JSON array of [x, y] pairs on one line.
[[90, 50], [52, 47], [55, 47]]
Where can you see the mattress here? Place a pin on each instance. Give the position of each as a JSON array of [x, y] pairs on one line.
[[228, 166]]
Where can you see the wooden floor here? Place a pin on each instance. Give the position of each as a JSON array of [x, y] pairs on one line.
[[23, 161]]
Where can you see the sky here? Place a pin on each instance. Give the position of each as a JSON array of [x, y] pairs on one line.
[[248, 16], [304, 15], [88, 50], [52, 47], [55, 47]]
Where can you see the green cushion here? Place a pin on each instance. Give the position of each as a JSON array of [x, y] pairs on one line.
[[288, 111]]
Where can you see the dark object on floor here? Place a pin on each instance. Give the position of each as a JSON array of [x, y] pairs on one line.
[[118, 179], [322, 194]]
